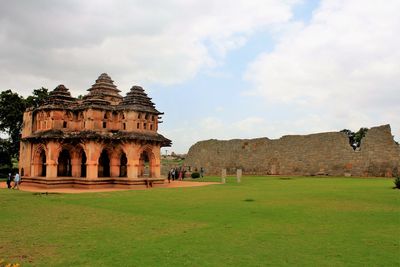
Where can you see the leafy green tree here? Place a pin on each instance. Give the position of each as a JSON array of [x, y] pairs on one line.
[[360, 135], [5, 157], [37, 98], [12, 107], [355, 137]]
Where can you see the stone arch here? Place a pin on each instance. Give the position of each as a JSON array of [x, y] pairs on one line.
[[64, 163], [118, 160], [42, 171], [104, 162], [123, 171], [39, 161], [79, 159], [83, 164], [146, 162]]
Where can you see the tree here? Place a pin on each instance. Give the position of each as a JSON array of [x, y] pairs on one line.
[[5, 157], [12, 107], [37, 98], [360, 135], [355, 137]]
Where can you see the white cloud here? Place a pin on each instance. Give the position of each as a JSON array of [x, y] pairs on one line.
[[249, 125], [342, 69], [144, 41]]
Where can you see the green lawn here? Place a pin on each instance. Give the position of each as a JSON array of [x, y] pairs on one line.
[[263, 221]]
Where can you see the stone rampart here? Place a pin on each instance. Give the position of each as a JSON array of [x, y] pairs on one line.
[[315, 154]]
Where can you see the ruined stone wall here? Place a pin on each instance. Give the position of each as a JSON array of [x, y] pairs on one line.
[[314, 154]]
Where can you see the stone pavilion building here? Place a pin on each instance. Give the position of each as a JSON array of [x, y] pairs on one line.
[[100, 140]]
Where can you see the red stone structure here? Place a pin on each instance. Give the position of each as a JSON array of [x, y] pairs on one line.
[[101, 140]]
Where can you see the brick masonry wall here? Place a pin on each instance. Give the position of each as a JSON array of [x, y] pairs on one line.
[[315, 154]]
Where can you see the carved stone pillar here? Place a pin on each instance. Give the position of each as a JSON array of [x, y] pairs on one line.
[[114, 166], [155, 168], [76, 166], [132, 150], [51, 161], [93, 150]]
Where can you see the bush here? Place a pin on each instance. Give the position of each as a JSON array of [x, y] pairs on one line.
[[397, 182], [195, 175]]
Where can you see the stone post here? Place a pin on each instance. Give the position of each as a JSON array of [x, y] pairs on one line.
[[238, 175], [223, 176]]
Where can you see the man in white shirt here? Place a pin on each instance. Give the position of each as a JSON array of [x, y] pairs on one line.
[[17, 180]]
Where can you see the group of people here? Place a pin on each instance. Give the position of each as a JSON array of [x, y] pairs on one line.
[[16, 178], [176, 173]]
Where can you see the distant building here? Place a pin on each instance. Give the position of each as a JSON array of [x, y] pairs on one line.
[[102, 139]]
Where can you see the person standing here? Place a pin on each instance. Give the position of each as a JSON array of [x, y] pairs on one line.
[[9, 178], [183, 173], [201, 172], [17, 180], [172, 173], [180, 174], [176, 173], [169, 176]]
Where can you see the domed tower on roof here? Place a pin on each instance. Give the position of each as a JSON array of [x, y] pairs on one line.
[[60, 96], [103, 92], [136, 99]]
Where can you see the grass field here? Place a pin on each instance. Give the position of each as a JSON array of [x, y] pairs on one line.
[[263, 221]]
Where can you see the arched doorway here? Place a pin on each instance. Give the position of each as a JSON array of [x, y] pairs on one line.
[[64, 167], [122, 166], [104, 165], [83, 164], [145, 165], [42, 171]]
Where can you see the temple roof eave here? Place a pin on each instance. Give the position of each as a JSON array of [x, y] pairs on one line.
[[93, 135]]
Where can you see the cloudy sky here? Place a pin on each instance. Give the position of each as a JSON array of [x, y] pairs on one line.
[[218, 69]]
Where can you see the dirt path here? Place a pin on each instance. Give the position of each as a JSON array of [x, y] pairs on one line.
[[173, 184]]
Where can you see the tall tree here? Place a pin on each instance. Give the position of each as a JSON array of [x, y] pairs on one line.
[[12, 107], [355, 137], [37, 98], [5, 157], [360, 135]]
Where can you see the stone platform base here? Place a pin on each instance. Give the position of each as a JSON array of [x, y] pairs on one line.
[[73, 182]]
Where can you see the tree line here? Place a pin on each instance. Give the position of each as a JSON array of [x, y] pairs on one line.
[[12, 108]]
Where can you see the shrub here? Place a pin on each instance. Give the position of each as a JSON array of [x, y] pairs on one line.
[[195, 175], [5, 264], [397, 182]]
